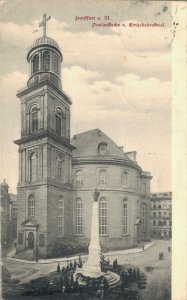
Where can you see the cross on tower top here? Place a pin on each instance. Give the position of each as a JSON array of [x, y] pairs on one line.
[[43, 23]]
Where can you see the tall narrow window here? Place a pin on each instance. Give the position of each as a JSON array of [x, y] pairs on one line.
[[61, 217], [103, 178], [55, 64], [79, 179], [59, 168], [35, 67], [78, 217], [33, 167], [125, 216], [46, 61], [59, 115], [143, 218], [31, 206], [103, 217], [125, 179], [34, 119]]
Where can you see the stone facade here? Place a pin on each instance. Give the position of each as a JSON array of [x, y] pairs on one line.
[[57, 176]]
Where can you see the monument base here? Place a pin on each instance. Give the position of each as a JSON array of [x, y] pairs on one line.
[[111, 277]]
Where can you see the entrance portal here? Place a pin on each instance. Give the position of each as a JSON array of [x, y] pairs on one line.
[[31, 240]]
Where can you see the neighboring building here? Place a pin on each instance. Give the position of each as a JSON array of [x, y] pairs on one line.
[[5, 215], [57, 176], [161, 215], [8, 216]]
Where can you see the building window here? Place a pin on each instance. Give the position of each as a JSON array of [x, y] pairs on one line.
[[35, 66], [154, 222], [31, 206], [59, 115], [159, 206], [103, 217], [20, 238], [78, 217], [144, 188], [46, 61], [34, 119], [154, 214], [159, 222], [79, 179], [59, 168], [102, 148], [41, 240], [33, 167], [55, 64], [125, 179], [154, 206], [143, 217], [61, 217], [159, 214], [125, 217], [103, 178]]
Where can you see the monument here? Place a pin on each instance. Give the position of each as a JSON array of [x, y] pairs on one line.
[[92, 267]]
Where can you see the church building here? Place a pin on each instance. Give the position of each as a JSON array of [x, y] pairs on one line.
[[58, 175]]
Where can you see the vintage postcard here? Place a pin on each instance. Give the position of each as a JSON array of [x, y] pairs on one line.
[[91, 149]]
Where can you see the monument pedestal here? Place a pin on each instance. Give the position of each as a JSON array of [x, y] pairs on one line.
[[92, 267]]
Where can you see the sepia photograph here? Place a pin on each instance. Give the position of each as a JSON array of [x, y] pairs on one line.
[[86, 149]]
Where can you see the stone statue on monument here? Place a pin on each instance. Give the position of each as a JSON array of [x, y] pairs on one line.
[[96, 194]]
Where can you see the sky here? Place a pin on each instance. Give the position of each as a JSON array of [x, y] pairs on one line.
[[119, 78]]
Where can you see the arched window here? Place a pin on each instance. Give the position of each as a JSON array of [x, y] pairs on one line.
[[125, 216], [103, 178], [79, 179], [103, 217], [125, 179], [34, 119], [55, 64], [46, 61], [41, 240], [78, 217], [31, 206], [35, 66], [59, 168], [60, 217], [33, 167], [59, 115]]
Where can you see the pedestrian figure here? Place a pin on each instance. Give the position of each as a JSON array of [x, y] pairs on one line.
[[63, 271], [108, 262], [138, 273], [134, 274], [58, 268], [130, 273], [75, 264]]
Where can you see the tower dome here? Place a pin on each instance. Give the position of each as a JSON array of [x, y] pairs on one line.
[[45, 58]]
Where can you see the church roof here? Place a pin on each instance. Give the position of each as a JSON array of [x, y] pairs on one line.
[[87, 144], [45, 40]]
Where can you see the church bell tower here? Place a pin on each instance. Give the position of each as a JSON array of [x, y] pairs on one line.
[[45, 152]]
